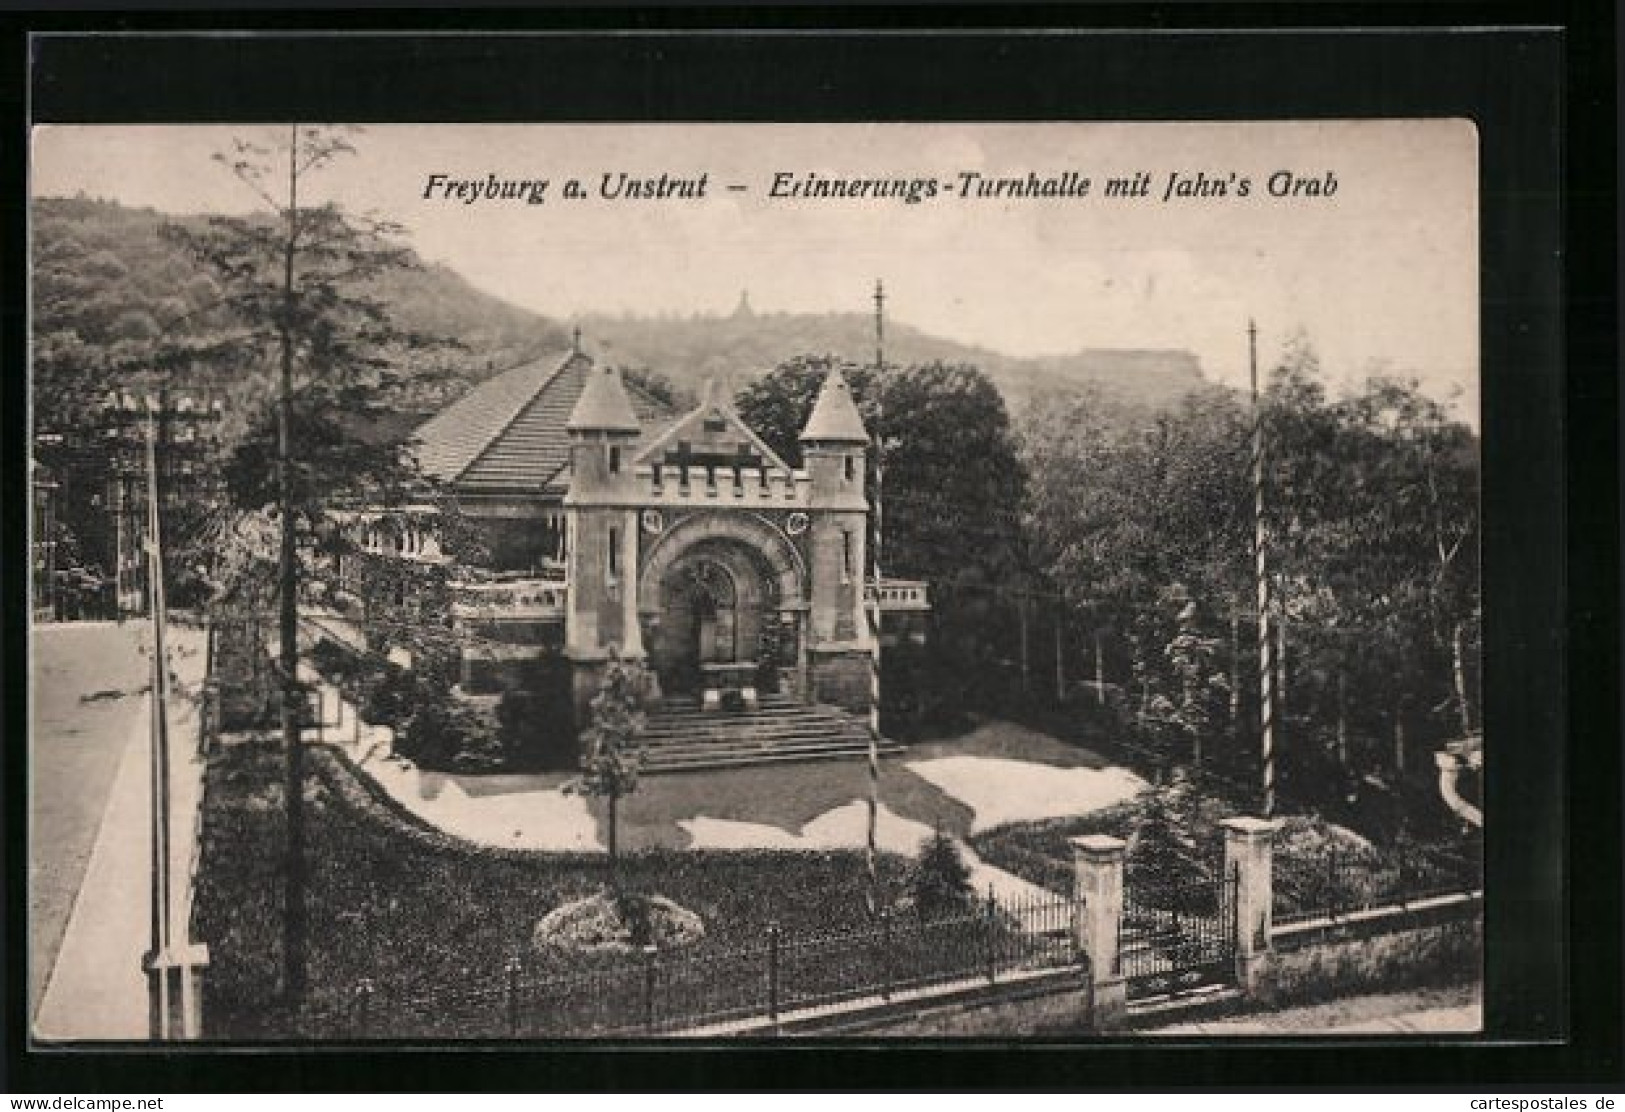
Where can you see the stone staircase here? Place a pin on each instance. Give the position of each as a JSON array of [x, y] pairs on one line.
[[680, 737]]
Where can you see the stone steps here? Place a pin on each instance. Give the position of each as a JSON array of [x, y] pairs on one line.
[[679, 737]]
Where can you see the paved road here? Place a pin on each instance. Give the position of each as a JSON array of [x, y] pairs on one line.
[[89, 867], [88, 685]]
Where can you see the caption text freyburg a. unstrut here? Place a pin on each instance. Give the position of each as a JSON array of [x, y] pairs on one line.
[[1167, 187]]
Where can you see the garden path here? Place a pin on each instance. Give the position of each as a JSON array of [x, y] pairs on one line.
[[997, 773]]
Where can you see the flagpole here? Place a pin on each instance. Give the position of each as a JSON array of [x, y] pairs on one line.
[[1266, 664], [874, 612]]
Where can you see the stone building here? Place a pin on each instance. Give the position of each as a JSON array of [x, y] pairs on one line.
[[612, 525]]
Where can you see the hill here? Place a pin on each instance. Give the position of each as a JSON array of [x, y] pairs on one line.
[[738, 348], [107, 283]]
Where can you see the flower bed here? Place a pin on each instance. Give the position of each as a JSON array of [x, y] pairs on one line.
[[422, 914]]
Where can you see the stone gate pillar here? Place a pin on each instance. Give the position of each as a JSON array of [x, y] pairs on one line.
[[1248, 850], [1098, 888]]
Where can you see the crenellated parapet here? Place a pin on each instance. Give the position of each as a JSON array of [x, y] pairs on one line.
[[745, 487]]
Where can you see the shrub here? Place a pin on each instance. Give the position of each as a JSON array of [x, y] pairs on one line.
[[940, 880], [391, 697], [479, 743]]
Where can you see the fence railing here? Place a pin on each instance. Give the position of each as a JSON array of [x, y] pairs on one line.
[[1332, 884], [1175, 936], [656, 992]]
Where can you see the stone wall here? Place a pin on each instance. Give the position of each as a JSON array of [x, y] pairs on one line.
[[1053, 1004], [1315, 960], [841, 679]]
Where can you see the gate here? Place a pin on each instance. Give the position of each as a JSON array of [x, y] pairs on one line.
[[1177, 933]]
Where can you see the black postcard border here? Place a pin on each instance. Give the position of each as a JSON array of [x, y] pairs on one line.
[[1551, 542]]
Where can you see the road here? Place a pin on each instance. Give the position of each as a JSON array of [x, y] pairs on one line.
[[90, 813], [89, 680]]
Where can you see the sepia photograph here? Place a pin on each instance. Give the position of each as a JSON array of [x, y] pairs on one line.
[[755, 581]]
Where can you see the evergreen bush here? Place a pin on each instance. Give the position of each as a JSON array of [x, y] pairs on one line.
[[940, 880]]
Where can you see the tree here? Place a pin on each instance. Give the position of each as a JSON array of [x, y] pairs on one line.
[[1374, 515], [293, 283], [940, 879], [612, 756], [1431, 515], [951, 487], [1141, 520], [1164, 848]]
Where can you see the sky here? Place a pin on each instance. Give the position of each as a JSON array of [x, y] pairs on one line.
[[1380, 273]]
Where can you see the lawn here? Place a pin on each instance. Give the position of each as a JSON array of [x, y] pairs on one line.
[[1318, 867], [423, 914]]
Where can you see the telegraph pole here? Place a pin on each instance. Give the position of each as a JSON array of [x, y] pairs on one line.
[[293, 924], [874, 612], [159, 990], [1266, 664]]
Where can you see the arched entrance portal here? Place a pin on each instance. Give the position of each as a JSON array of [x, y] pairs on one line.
[[718, 612]]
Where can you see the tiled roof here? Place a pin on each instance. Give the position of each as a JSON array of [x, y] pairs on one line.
[[835, 416], [603, 406], [508, 435], [450, 440]]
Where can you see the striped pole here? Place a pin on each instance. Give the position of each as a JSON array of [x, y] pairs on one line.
[[874, 615], [1266, 664]]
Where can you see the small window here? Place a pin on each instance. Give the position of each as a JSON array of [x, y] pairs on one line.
[[846, 556], [614, 552], [851, 468], [614, 459]]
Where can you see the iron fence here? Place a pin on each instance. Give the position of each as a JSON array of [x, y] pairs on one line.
[[1330, 884], [1177, 933], [657, 992]]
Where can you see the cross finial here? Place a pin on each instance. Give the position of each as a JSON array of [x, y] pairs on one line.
[[575, 340]]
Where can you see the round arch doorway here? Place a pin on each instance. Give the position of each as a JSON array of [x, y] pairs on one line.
[[717, 600]]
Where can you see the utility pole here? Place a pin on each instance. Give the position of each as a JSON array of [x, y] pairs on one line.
[[293, 923], [160, 989], [1266, 666], [118, 543]]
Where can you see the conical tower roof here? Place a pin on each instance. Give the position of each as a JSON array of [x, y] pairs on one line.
[[603, 406], [835, 418]]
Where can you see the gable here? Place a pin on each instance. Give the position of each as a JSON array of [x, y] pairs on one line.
[[712, 435]]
